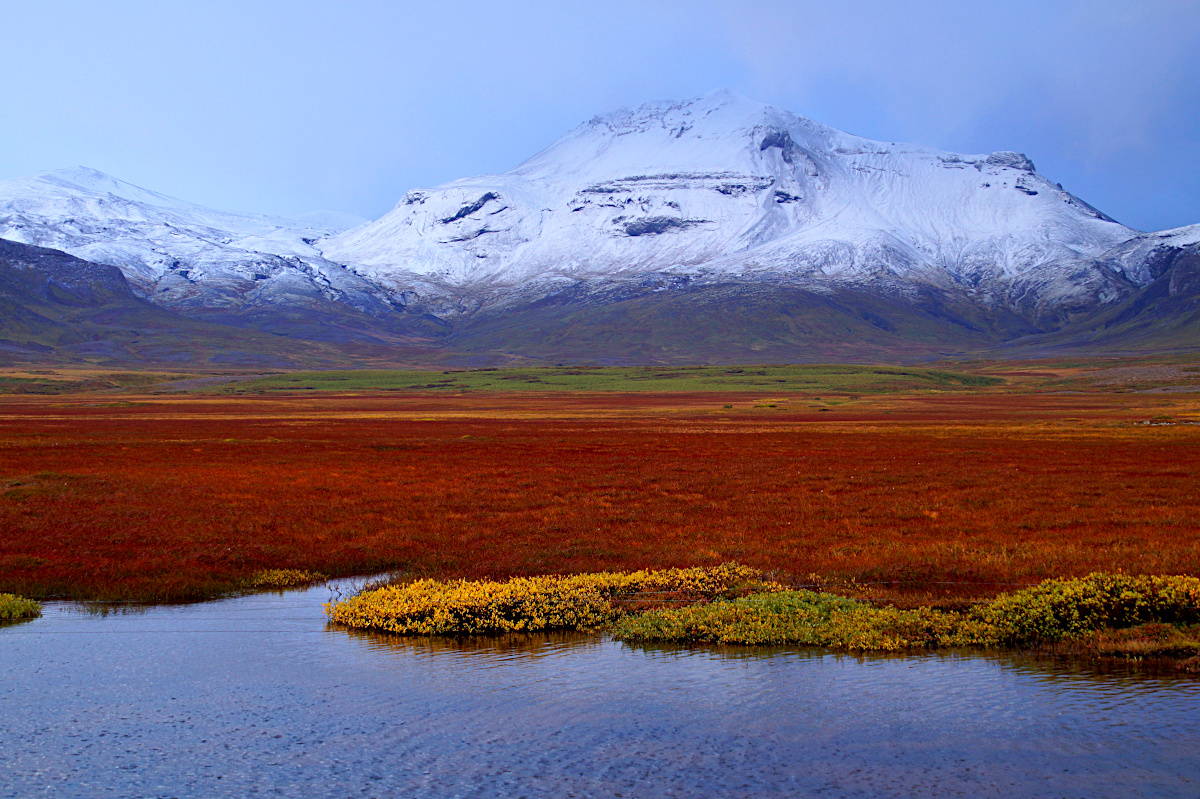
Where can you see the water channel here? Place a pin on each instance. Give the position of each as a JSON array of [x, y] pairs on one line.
[[257, 695]]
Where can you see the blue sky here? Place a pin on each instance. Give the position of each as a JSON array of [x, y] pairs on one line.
[[290, 107]]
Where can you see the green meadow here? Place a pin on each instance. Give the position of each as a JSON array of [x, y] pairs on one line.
[[798, 378]]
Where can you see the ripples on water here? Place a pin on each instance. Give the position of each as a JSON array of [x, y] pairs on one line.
[[258, 695]]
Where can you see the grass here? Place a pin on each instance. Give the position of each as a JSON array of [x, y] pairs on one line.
[[794, 617], [54, 382], [1146, 642], [786, 378]]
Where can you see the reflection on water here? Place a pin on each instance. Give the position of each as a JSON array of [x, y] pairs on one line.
[[259, 694]]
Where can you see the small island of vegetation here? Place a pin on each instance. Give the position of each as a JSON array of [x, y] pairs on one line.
[[1114, 615]]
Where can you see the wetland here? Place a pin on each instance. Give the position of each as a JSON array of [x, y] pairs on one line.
[[260, 695], [922, 490]]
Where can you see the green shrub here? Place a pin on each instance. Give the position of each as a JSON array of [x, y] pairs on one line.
[[1062, 609], [794, 617], [1056, 610], [15, 607]]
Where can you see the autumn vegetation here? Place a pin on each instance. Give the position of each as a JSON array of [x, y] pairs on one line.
[[15, 608], [536, 604], [913, 496], [1054, 611], [282, 578], [1113, 615]]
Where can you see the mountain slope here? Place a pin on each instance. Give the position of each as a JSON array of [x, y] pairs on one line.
[[1164, 315], [175, 253], [734, 323], [55, 308], [720, 189]]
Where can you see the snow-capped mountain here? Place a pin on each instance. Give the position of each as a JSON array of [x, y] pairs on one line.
[[176, 253], [672, 221], [723, 188]]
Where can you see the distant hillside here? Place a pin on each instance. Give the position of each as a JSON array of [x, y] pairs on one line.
[[58, 308], [736, 323], [1163, 316]]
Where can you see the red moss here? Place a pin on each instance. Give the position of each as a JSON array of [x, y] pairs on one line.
[[949, 496]]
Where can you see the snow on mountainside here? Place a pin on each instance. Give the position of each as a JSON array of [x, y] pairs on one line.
[[1139, 255], [723, 188], [176, 253], [715, 191], [331, 220]]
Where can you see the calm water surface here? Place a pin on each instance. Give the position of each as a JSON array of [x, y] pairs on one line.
[[257, 696]]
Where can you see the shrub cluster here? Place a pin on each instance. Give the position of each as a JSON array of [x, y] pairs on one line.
[[1058, 610], [793, 617], [282, 578], [733, 604], [15, 607], [1055, 610], [460, 607]]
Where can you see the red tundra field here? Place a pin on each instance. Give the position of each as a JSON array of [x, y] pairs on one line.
[[923, 496]]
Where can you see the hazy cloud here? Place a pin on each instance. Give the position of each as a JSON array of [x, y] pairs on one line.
[[290, 106], [1110, 72]]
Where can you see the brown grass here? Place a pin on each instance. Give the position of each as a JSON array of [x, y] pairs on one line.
[[927, 496], [1176, 647]]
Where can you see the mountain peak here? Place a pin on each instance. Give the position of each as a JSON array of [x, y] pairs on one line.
[[81, 173], [709, 102], [700, 195], [87, 182], [720, 108], [719, 131], [84, 177]]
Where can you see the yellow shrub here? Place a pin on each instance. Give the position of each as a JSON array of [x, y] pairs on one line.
[[15, 607], [460, 607], [1057, 610], [282, 578], [750, 610]]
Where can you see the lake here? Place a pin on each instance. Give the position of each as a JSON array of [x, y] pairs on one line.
[[258, 695]]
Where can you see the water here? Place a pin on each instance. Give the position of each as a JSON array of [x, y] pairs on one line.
[[257, 696]]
